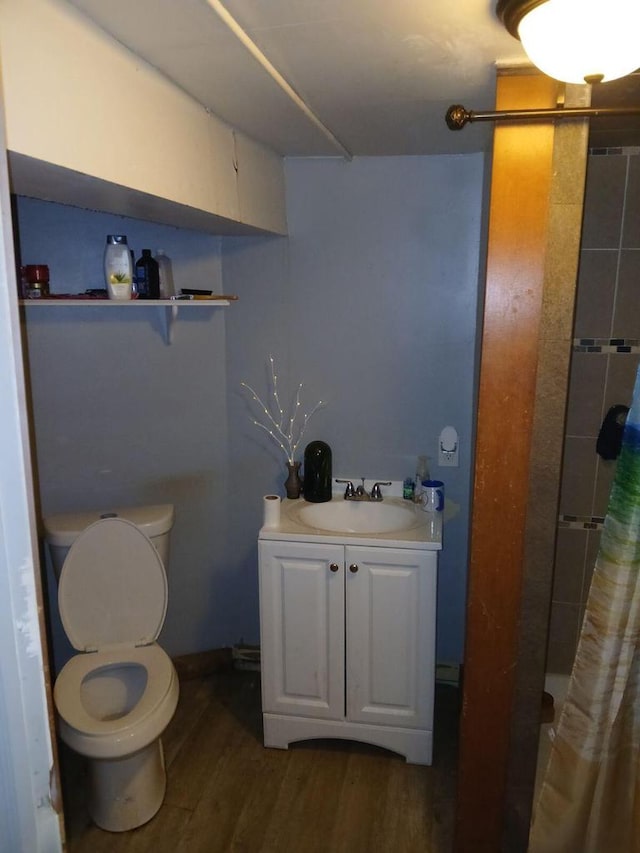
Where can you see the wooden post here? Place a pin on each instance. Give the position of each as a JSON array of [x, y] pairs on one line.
[[520, 200]]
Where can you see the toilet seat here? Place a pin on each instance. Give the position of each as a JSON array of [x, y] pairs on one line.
[[67, 689], [113, 587]]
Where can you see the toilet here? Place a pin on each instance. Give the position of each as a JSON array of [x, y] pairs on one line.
[[116, 697]]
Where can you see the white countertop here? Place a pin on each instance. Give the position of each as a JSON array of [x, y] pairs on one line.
[[425, 535]]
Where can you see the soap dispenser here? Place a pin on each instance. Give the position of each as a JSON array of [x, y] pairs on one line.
[[317, 472]]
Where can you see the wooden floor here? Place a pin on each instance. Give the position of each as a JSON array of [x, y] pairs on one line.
[[226, 792]]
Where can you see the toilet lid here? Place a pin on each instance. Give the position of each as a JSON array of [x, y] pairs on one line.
[[113, 587]]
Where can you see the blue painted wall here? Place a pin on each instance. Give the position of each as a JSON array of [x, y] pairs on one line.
[[123, 419], [371, 301]]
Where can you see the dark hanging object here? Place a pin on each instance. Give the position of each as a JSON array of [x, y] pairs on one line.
[[317, 472], [610, 436]]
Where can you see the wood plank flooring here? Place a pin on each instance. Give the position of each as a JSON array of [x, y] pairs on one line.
[[226, 792]]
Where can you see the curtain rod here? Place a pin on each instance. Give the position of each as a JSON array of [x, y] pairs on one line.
[[458, 116]]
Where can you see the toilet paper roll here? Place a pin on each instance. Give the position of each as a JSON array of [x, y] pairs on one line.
[[271, 510]]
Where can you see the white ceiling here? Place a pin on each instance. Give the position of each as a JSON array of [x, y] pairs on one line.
[[378, 74]]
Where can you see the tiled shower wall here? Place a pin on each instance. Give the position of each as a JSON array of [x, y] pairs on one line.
[[606, 352]]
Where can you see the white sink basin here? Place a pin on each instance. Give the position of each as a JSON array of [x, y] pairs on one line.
[[342, 516]]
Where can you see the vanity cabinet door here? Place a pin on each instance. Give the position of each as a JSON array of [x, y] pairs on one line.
[[390, 617], [302, 629]]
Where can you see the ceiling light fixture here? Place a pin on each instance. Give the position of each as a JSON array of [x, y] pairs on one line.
[[576, 41]]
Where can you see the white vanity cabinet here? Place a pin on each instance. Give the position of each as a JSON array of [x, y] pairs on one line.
[[348, 644]]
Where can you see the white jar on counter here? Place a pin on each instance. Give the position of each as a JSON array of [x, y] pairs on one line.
[[118, 270]]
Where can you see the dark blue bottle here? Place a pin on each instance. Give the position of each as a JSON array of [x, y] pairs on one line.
[[147, 276]]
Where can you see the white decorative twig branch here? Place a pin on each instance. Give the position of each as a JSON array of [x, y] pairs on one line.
[[287, 438]]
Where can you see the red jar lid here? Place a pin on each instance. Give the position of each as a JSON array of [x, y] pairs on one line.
[[36, 272]]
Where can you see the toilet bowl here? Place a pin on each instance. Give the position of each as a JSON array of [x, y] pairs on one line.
[[115, 699]]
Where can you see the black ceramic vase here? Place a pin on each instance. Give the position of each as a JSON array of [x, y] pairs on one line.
[[317, 472]]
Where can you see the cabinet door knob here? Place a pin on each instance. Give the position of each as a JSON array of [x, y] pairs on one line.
[[353, 568], [334, 567]]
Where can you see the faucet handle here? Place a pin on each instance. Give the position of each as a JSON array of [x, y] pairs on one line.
[[349, 492], [376, 494]]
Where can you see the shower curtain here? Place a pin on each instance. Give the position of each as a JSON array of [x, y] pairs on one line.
[[590, 796]]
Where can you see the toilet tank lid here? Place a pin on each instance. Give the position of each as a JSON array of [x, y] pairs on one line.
[[62, 529]]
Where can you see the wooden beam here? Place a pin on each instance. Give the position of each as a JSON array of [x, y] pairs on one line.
[[519, 207]]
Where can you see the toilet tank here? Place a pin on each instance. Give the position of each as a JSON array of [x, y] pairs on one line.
[[62, 529]]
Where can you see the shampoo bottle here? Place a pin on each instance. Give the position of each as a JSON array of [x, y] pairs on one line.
[[118, 270]]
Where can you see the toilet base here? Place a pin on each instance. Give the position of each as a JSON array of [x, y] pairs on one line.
[[127, 792]]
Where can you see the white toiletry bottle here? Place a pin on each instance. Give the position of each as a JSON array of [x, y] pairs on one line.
[[118, 271], [422, 474], [167, 287]]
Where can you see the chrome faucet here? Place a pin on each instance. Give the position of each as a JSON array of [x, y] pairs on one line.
[[376, 494], [349, 492], [360, 493]]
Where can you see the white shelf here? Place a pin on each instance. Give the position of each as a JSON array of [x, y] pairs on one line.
[[168, 307], [125, 303]]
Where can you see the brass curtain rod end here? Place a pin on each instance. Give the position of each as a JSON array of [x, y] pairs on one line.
[[457, 116]]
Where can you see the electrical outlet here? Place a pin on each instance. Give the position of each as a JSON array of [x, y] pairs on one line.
[[448, 458], [448, 447]]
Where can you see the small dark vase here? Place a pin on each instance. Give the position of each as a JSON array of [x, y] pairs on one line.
[[317, 472], [293, 483]]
